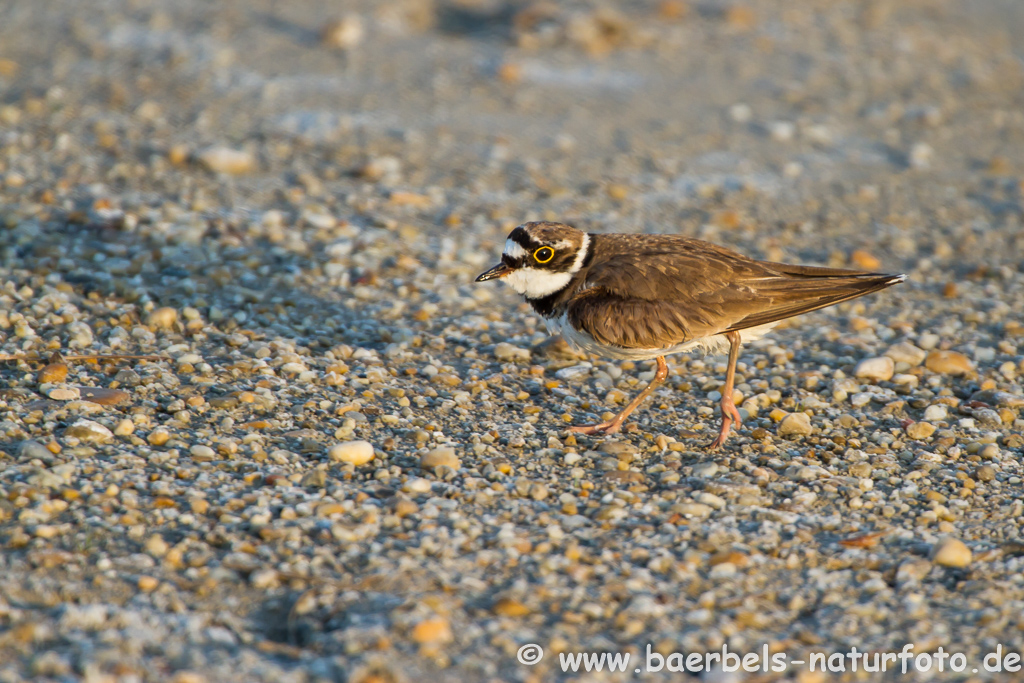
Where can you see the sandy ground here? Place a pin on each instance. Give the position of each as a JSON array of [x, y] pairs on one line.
[[286, 438]]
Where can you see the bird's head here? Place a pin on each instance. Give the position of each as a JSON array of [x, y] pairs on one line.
[[540, 258]]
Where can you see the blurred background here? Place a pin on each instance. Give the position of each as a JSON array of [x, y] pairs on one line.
[[808, 129]]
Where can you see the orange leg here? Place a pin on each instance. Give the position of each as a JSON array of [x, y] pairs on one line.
[[729, 412], [615, 424]]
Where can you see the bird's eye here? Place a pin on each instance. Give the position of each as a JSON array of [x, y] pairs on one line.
[[544, 254]]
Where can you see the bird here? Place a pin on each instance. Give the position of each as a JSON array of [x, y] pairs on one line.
[[646, 296]]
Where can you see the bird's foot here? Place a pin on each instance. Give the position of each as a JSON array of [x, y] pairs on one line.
[[609, 427], [720, 441], [730, 412], [729, 416]]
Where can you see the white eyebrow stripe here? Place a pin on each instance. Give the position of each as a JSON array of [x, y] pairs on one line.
[[581, 254], [514, 250]]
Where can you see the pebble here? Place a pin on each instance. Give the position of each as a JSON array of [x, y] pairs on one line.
[[104, 396], [47, 531], [159, 436], [948, 363], [795, 424], [879, 369], [783, 131], [148, 584], [382, 167], [556, 348], [912, 571], [936, 412], [861, 399], [202, 453], [417, 485], [807, 474], [314, 479], [162, 318], [1001, 399], [61, 393], [987, 417], [264, 578], [353, 452], [444, 455], [921, 156], [53, 373], [990, 451], [710, 499], [951, 552], [905, 352], [741, 112], [343, 34], [86, 617], [227, 160], [124, 428], [506, 352], [89, 431], [906, 380], [33, 449], [156, 546], [188, 677], [574, 373], [705, 469], [724, 570], [920, 430], [431, 631], [860, 469], [508, 607], [865, 260]]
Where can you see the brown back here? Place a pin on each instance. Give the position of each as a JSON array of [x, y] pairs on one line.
[[650, 291]]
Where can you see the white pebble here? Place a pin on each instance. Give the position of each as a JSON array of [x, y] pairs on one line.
[[201, 453], [879, 369], [921, 155], [928, 341], [508, 353], [740, 112], [860, 399], [574, 373], [227, 160], [88, 430], [783, 131], [352, 452], [705, 469]]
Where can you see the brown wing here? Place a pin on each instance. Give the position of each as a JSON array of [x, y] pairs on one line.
[[649, 291], [802, 289]]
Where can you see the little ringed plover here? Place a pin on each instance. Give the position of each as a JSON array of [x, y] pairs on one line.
[[642, 297]]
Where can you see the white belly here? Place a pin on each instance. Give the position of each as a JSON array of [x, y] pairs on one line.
[[715, 344]]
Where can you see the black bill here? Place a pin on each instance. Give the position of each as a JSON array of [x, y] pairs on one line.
[[500, 270]]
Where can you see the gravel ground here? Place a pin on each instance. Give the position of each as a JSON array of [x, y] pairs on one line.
[[258, 424]]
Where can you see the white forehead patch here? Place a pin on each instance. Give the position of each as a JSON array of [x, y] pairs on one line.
[[534, 283], [514, 250]]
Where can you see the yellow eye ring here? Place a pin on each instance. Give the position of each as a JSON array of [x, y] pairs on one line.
[[543, 254]]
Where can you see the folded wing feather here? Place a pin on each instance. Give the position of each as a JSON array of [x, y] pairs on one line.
[[678, 290]]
